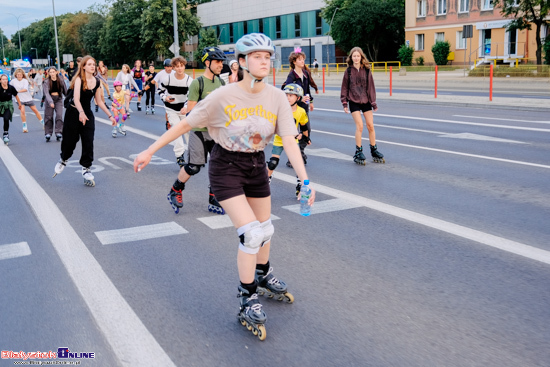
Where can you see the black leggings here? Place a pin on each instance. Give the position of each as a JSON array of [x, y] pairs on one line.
[[150, 93], [7, 118], [73, 131]]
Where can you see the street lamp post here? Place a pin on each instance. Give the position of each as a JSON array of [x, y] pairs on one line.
[[19, 33], [176, 37], [308, 39], [328, 35], [32, 48], [3, 54], [56, 41]]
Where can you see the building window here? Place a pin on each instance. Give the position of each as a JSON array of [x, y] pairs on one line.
[[318, 23], [487, 5], [278, 27], [419, 42], [439, 37], [421, 5], [245, 27], [442, 7], [463, 6], [261, 26], [297, 29], [460, 42], [231, 33]]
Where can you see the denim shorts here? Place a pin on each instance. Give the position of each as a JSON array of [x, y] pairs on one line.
[[277, 150], [234, 173]]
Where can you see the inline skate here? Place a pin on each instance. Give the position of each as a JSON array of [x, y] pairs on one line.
[[88, 177], [122, 129], [58, 137], [377, 157], [213, 204], [48, 137], [359, 157], [175, 199], [147, 110], [181, 160], [251, 314], [59, 167], [152, 110], [113, 132], [25, 130], [272, 287], [6, 138], [298, 187]]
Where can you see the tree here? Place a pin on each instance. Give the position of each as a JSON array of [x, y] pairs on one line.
[[377, 26], [158, 26], [90, 35], [525, 13], [207, 38], [70, 34]]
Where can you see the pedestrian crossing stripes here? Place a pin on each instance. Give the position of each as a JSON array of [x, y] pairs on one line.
[[14, 250], [325, 206], [222, 221], [140, 233]]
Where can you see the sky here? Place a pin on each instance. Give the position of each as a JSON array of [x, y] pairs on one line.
[[30, 11]]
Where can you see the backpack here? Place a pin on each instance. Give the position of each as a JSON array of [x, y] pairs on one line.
[[201, 85]]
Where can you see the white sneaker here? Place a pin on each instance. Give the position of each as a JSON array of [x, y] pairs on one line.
[[59, 167]]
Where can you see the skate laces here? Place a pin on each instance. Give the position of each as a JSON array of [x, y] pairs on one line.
[[272, 280], [256, 306]]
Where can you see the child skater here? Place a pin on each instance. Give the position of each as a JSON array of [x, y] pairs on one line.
[[117, 107], [241, 118], [294, 94]]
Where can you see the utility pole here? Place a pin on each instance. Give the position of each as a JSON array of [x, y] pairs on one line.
[[56, 41], [176, 38], [329, 28]]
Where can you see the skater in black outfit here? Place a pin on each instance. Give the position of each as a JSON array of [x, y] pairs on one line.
[[358, 91], [150, 89], [79, 120], [6, 105]]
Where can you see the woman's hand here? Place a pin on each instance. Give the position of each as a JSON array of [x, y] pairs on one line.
[[142, 160], [52, 105], [113, 121], [311, 106], [346, 110], [82, 117], [183, 111]]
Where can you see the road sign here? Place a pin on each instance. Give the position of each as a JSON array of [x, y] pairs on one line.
[[67, 58], [467, 31], [174, 47]]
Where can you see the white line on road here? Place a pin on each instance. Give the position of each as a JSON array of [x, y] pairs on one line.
[[450, 121], [222, 221], [140, 233], [129, 339], [455, 229], [325, 206], [443, 151], [14, 250], [500, 119]]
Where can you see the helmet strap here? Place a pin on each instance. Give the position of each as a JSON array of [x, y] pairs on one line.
[[254, 79]]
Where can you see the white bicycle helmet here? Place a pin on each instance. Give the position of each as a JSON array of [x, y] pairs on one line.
[[251, 43]]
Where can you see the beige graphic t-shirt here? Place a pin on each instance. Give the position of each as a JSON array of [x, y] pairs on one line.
[[244, 122]]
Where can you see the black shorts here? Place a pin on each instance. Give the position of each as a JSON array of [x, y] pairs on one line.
[[363, 107], [234, 173]]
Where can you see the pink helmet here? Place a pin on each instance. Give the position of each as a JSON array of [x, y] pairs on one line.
[[116, 83]]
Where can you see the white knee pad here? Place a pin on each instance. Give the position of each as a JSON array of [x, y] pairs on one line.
[[251, 236], [268, 231]]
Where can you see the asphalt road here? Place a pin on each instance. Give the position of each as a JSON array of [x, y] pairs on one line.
[[439, 257]]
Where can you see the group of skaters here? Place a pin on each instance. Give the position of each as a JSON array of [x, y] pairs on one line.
[[228, 122]]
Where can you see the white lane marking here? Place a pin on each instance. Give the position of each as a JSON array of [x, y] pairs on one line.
[[325, 206], [129, 339], [410, 129], [328, 153], [450, 121], [222, 221], [442, 151], [448, 227], [140, 233], [470, 136], [13, 250], [501, 119], [132, 130]]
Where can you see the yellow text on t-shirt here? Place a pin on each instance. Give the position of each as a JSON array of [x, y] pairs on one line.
[[241, 114]]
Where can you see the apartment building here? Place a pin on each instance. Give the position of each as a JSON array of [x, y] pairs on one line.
[[288, 23], [428, 21]]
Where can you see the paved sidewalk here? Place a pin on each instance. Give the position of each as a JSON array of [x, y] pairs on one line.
[[448, 81]]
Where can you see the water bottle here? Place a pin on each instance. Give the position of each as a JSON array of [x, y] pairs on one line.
[[305, 194]]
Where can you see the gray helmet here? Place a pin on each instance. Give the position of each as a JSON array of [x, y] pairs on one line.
[[254, 42], [167, 62]]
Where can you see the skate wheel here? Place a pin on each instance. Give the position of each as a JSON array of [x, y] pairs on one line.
[[261, 332], [269, 296], [289, 298], [260, 293], [248, 326], [243, 322], [255, 332]]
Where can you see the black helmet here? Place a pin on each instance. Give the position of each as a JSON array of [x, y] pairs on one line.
[[167, 62], [212, 53]]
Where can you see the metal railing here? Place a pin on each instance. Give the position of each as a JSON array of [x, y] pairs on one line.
[[341, 67]]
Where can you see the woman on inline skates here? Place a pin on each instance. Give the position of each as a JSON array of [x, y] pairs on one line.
[[242, 118], [359, 95]]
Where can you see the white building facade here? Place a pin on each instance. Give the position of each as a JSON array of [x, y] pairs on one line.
[[288, 23]]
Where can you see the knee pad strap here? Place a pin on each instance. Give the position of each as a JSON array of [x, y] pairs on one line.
[[251, 237]]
